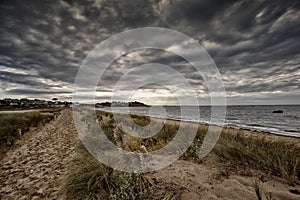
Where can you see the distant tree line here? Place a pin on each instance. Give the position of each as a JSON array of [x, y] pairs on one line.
[[33, 103]]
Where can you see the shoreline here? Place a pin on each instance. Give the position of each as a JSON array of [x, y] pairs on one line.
[[236, 128], [244, 130], [226, 127], [281, 131]]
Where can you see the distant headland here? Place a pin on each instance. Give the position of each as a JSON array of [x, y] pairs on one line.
[[121, 104], [24, 103]]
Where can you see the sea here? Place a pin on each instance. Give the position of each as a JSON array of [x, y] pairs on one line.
[[251, 117]]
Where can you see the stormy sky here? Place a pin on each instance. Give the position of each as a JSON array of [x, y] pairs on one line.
[[255, 45]]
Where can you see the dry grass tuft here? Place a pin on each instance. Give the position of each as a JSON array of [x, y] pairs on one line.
[[87, 178]]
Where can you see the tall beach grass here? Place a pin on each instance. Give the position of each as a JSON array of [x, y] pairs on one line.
[[13, 124], [234, 152]]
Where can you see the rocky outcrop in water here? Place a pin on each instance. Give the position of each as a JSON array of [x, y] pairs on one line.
[[278, 111]]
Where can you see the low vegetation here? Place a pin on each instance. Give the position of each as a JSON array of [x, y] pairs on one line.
[[87, 178], [259, 191], [235, 153], [12, 125], [276, 158], [238, 153], [156, 142]]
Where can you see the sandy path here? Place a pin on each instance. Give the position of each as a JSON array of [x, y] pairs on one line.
[[35, 169]]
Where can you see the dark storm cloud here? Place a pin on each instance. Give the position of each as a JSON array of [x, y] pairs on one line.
[[255, 44], [35, 92], [192, 11], [20, 79], [55, 36]]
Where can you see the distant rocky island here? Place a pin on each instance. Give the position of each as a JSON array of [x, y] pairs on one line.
[[121, 104]]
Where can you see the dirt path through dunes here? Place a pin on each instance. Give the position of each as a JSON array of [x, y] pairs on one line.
[[35, 169]]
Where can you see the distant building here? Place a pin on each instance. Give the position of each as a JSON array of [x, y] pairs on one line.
[[36, 103]]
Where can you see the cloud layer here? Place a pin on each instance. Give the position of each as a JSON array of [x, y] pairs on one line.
[[255, 45]]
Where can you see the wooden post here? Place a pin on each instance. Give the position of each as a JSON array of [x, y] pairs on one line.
[[143, 149], [19, 131]]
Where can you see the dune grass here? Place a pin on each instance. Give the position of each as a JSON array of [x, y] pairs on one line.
[[156, 142], [89, 179], [10, 123], [237, 152], [234, 150], [140, 120], [259, 191], [276, 157]]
